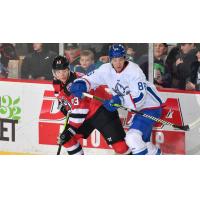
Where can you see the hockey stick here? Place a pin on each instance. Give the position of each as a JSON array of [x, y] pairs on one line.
[[60, 145], [59, 149], [185, 127]]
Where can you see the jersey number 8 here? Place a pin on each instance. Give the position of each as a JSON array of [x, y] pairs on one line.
[[142, 86]]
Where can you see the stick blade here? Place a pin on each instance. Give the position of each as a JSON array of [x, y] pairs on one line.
[[185, 127]]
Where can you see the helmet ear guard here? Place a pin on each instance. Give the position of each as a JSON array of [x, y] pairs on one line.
[[117, 51]]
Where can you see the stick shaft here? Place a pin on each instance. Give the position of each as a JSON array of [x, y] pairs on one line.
[[59, 149], [60, 146], [140, 113]]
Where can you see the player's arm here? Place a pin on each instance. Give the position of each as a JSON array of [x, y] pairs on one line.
[[62, 105], [86, 83], [137, 95]]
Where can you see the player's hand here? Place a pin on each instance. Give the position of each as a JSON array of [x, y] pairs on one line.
[[77, 88], [108, 103], [63, 138], [64, 110], [66, 135]]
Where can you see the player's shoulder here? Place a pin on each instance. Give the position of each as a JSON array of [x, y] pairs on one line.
[[103, 69], [133, 71], [133, 67], [79, 74]]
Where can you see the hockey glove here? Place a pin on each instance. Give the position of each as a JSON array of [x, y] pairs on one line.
[[63, 110], [62, 107], [108, 103], [77, 88], [66, 135]]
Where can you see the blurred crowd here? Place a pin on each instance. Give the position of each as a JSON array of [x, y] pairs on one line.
[[178, 66], [175, 65]]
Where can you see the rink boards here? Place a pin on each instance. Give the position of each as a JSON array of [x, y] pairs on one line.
[[30, 121]]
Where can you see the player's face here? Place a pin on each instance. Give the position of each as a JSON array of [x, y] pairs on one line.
[[62, 75], [118, 63], [86, 61]]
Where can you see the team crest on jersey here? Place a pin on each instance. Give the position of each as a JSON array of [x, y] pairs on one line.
[[120, 90]]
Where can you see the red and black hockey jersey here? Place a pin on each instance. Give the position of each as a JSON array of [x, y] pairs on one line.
[[80, 109]]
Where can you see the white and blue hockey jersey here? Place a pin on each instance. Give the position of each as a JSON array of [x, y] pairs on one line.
[[130, 84]]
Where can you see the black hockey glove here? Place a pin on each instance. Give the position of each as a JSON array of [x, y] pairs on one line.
[[62, 107], [63, 110], [66, 135]]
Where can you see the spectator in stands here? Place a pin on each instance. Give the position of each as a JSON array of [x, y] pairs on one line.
[[171, 57], [72, 53], [86, 61], [3, 71], [183, 66], [194, 83], [162, 75], [7, 52], [103, 55], [37, 65], [197, 78], [143, 62], [130, 54], [138, 53]]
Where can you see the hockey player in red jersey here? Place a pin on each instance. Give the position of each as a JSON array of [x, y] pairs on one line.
[[85, 114]]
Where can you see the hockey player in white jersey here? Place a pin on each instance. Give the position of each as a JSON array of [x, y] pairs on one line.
[[130, 88]]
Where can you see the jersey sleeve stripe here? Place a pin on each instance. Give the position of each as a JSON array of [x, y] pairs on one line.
[[76, 151], [80, 111], [154, 95], [78, 115], [76, 120], [132, 100], [137, 99]]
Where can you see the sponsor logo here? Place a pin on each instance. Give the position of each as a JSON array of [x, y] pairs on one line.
[[9, 116], [9, 108], [170, 141]]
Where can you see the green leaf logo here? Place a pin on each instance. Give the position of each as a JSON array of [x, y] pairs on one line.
[[3, 110], [16, 101], [9, 108], [6, 101], [16, 118]]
